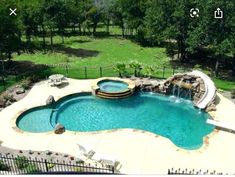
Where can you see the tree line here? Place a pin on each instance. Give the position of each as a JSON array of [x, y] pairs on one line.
[[149, 22]]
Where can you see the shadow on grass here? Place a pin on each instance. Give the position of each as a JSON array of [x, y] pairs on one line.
[[83, 53], [23, 69]]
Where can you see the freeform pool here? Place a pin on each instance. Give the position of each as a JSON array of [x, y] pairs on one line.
[[183, 124]]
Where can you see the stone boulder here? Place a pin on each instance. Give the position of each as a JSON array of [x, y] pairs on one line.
[[20, 91], [59, 129], [50, 100], [211, 108], [8, 103], [2, 102]]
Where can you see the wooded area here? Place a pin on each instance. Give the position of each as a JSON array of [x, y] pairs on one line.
[[149, 22]]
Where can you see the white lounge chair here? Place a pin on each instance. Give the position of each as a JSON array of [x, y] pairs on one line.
[[108, 161], [83, 153]]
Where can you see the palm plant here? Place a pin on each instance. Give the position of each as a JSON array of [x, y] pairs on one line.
[[136, 66], [148, 71], [120, 68]]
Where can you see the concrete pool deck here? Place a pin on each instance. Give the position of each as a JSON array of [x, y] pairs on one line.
[[139, 152]]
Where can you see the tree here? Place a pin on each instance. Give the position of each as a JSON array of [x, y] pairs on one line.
[[94, 15], [106, 9], [9, 30], [28, 18]]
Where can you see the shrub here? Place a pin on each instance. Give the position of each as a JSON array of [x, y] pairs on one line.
[[21, 162], [50, 165], [26, 84], [32, 168], [3, 167], [78, 169], [136, 66], [197, 67], [148, 71], [9, 97], [120, 68], [36, 78]]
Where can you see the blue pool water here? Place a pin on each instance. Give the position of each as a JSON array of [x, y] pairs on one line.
[[183, 124], [112, 86]]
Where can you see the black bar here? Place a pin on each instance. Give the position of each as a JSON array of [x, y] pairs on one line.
[[163, 74], [85, 72], [101, 72]]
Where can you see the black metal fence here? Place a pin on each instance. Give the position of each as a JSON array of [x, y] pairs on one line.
[[9, 78], [186, 171], [21, 165]]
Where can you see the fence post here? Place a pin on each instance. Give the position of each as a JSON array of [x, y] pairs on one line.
[[15, 75], [47, 170], [67, 71], [163, 73], [101, 72], [3, 82], [85, 72]]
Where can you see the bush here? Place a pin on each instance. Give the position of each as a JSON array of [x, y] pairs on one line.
[[50, 165], [3, 167], [120, 68], [32, 168], [26, 84], [197, 67], [21, 162], [136, 66], [233, 93], [78, 169], [149, 71]]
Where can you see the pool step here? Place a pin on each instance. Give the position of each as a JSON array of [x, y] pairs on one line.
[[114, 95]]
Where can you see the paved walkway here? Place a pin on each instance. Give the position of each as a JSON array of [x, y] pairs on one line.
[[139, 152]]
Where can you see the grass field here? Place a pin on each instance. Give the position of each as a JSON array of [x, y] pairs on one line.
[[81, 52], [93, 53]]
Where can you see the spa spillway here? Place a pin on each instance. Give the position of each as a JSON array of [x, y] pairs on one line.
[[113, 88]]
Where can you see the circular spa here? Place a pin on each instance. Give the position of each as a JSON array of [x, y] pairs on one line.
[[112, 86], [184, 125], [109, 88]]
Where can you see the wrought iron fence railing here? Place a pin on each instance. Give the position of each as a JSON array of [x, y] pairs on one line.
[[10, 164]]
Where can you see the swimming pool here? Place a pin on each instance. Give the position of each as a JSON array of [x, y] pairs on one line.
[[112, 86], [177, 120]]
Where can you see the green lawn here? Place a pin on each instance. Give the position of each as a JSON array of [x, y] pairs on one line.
[[108, 52], [10, 80], [224, 85], [105, 53]]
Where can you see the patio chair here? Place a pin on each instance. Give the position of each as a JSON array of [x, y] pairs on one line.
[[108, 161], [83, 154]]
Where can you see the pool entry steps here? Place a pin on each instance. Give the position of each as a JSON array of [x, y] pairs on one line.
[[113, 88]]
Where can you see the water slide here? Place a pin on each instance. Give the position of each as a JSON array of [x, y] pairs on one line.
[[220, 124], [210, 90]]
